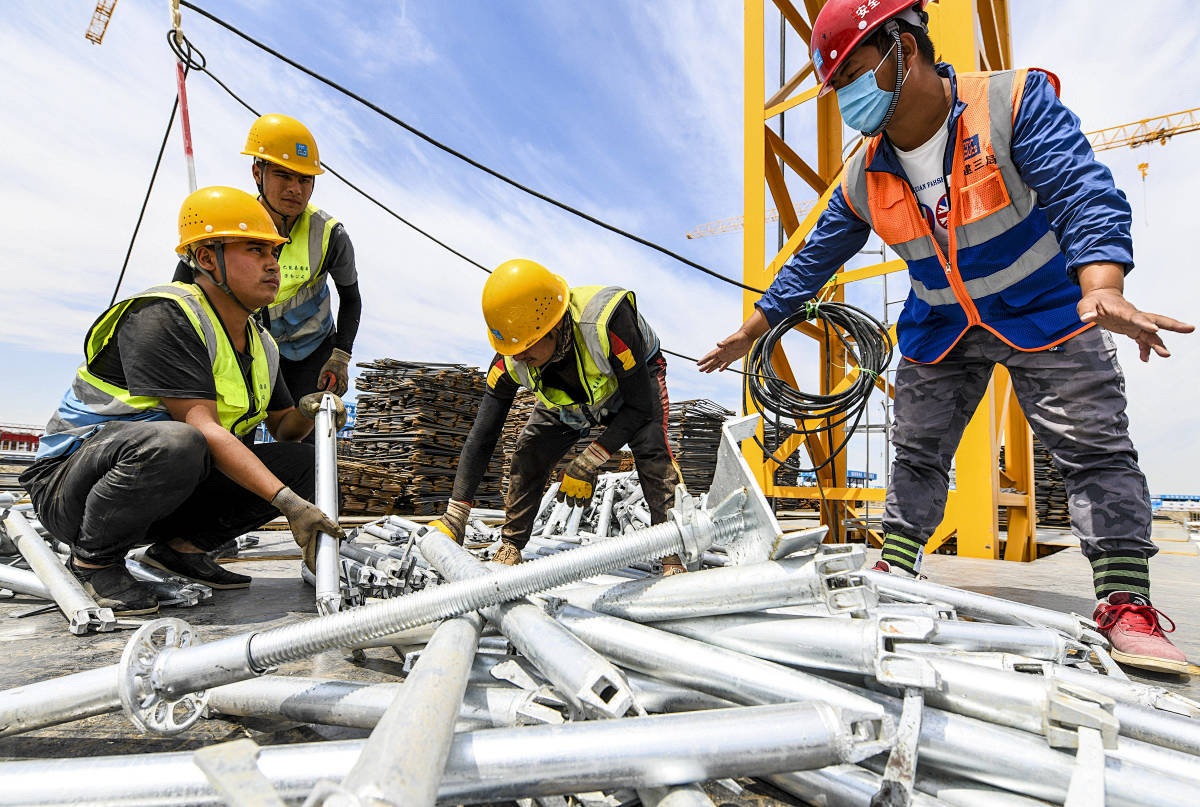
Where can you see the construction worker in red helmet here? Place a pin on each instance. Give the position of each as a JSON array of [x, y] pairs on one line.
[[1017, 243], [150, 442], [314, 349], [593, 362]]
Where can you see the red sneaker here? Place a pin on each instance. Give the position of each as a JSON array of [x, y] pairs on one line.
[[887, 568], [1132, 625]]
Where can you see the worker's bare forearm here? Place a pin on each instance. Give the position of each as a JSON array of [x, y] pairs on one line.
[[1101, 275], [234, 459], [756, 324], [289, 426]]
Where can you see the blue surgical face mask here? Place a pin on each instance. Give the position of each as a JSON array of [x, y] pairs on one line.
[[862, 103]]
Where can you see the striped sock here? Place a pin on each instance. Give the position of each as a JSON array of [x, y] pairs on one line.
[[903, 552], [1121, 573]]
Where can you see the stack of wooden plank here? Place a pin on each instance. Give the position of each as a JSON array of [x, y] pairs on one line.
[[694, 429], [412, 421], [1049, 488]]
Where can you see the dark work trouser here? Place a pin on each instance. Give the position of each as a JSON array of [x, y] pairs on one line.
[[545, 440], [1074, 398], [147, 481], [301, 375]]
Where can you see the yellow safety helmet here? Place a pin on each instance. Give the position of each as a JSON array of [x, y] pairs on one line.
[[522, 302], [220, 212], [284, 141]]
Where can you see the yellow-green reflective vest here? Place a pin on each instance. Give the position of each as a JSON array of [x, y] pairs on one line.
[[300, 317], [590, 309], [91, 401]]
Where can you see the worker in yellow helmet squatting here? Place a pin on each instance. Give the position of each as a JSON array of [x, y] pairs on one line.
[[153, 442], [314, 353], [591, 360], [1017, 243]]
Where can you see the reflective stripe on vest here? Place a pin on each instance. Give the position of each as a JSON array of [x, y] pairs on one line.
[[590, 309], [1005, 271], [301, 317], [91, 401]]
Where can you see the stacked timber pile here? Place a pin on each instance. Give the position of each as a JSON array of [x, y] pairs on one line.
[[694, 430], [412, 421], [1049, 487]]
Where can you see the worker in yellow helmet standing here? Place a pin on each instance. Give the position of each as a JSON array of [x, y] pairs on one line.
[[592, 361], [314, 351], [152, 442]]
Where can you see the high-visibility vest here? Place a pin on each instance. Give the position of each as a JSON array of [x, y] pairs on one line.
[[300, 317], [91, 401], [590, 309], [1005, 271]]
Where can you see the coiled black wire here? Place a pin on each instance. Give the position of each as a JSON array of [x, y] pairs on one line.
[[868, 346]]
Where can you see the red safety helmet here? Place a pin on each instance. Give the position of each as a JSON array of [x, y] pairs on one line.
[[842, 25]]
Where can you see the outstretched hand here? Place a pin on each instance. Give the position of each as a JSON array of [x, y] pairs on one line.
[[727, 351], [1109, 309]]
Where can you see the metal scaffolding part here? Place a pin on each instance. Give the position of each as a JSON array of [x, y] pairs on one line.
[[530, 761], [714, 670], [831, 577], [328, 584], [356, 704], [420, 720], [590, 684], [152, 681], [81, 611]]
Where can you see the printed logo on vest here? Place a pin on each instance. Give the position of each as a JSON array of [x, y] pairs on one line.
[[301, 150], [971, 147], [943, 213]]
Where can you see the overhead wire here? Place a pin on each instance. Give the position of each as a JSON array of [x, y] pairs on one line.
[[769, 392], [202, 67], [461, 156], [145, 201]]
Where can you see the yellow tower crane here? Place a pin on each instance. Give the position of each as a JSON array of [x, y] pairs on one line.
[[99, 23], [1150, 130]]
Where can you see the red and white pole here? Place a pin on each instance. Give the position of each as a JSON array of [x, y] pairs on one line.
[[181, 90], [181, 83]]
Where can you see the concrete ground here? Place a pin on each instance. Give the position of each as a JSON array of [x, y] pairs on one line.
[[38, 646]]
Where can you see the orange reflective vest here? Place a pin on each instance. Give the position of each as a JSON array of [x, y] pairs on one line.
[[1005, 271]]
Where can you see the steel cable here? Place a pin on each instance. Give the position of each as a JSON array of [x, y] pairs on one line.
[[868, 346]]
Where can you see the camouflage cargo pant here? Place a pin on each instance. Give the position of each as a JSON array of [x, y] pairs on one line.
[[1074, 398], [545, 440]]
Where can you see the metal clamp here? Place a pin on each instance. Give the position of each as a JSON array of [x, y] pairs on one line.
[[688, 518], [144, 704], [898, 669]]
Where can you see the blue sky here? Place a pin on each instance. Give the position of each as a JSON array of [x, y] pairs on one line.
[[629, 110]]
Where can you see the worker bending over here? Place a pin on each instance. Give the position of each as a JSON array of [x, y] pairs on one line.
[[1017, 244], [152, 442], [591, 360], [314, 354]]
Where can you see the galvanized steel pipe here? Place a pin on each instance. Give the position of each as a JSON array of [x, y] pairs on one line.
[[969, 603], [77, 606], [190, 669], [657, 751], [23, 581], [717, 671], [328, 581], [587, 680], [828, 578], [421, 721]]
